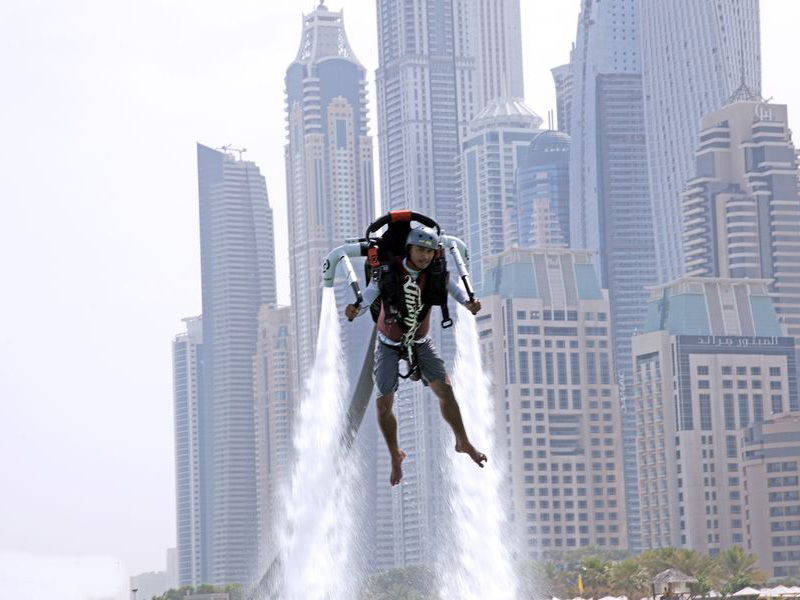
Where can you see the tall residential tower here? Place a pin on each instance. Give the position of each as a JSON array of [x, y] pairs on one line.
[[712, 360], [328, 165], [187, 365], [497, 140], [275, 407], [497, 36], [426, 97], [546, 343], [610, 206], [741, 211], [238, 272], [694, 55]]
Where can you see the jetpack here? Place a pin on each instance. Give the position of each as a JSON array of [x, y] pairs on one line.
[[382, 248]]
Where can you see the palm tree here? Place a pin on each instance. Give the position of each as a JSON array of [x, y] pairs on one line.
[[630, 578], [687, 561], [735, 563], [554, 580], [596, 574]]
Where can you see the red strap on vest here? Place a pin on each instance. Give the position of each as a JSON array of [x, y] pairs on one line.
[[372, 254]]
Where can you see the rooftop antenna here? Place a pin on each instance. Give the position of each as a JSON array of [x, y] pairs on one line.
[[744, 92], [228, 149]]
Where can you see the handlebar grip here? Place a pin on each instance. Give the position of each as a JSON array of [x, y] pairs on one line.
[[359, 297]]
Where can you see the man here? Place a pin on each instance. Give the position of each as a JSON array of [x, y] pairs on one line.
[[421, 245]]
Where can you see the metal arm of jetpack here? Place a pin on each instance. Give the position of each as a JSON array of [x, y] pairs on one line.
[[342, 254], [461, 257]]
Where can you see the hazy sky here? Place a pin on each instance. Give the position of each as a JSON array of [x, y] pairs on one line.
[[101, 104]]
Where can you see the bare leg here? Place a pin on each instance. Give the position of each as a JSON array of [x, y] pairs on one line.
[[388, 424], [452, 414]]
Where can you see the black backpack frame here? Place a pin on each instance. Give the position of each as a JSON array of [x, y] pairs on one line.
[[382, 254]]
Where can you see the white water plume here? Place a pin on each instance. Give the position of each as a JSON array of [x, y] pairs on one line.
[[479, 564], [320, 511]]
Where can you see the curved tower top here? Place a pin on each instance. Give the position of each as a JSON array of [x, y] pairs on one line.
[[549, 141], [324, 37], [505, 112]]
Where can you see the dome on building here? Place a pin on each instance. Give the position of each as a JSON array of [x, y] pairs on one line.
[[506, 112], [549, 141]]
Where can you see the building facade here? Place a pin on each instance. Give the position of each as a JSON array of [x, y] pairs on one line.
[[562, 78], [497, 139], [542, 205], [711, 360], [328, 165], [771, 472], [428, 92], [275, 405], [426, 84], [187, 368], [497, 37], [741, 210], [610, 201], [439, 61], [546, 344], [693, 55], [238, 276]]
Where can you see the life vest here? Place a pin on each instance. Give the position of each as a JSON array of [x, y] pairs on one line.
[[413, 322], [403, 314], [385, 265]]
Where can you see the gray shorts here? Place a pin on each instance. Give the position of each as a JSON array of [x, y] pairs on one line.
[[387, 359]]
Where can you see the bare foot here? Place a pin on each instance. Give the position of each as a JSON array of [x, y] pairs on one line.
[[467, 448], [397, 469]]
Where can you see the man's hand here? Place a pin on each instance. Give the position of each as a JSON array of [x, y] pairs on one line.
[[474, 306], [351, 311]]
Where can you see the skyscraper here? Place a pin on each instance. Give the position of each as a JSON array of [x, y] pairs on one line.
[[426, 97], [497, 139], [543, 191], [771, 473], [426, 85], [607, 43], [546, 343], [610, 205], [275, 405], [187, 368], [562, 77], [711, 359], [238, 273], [328, 165], [497, 37], [741, 209], [693, 55], [428, 92], [329, 180]]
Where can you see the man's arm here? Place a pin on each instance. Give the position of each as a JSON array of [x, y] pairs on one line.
[[460, 296], [456, 291], [369, 295]]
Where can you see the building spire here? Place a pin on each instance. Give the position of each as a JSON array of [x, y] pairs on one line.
[[744, 93]]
